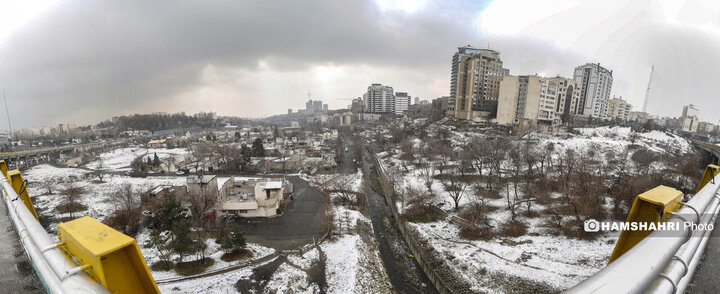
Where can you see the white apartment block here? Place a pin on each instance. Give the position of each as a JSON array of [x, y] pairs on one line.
[[379, 99], [595, 83], [402, 102]]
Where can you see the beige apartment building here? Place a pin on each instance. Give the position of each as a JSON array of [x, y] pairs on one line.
[[532, 99], [475, 82], [618, 109]]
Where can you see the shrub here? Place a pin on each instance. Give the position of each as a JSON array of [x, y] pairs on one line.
[[422, 213], [514, 229], [69, 207], [477, 233], [160, 266], [189, 268]]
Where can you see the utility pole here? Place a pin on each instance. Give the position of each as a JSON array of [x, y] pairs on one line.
[[647, 92], [8, 116]]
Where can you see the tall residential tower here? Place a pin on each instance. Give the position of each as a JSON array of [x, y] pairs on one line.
[[475, 82], [595, 83], [379, 99]]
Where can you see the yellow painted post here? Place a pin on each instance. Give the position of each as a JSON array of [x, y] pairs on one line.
[[653, 206], [16, 180], [112, 258], [710, 172], [3, 168]]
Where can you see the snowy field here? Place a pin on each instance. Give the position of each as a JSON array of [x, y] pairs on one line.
[[120, 159], [537, 259], [97, 196], [612, 139]]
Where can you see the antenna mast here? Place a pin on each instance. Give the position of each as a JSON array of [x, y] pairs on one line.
[[647, 92], [8, 115]]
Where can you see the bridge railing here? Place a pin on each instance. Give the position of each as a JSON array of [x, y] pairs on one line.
[[90, 258], [664, 261], [56, 272]]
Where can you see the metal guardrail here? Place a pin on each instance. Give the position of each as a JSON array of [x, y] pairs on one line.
[[664, 261], [56, 272]]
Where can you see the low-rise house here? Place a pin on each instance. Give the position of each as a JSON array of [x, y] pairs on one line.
[[199, 185], [251, 197]]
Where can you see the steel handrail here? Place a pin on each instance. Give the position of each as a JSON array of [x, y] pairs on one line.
[[639, 269], [53, 268]]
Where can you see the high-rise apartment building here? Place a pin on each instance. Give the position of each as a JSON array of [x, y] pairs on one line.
[[379, 99], [595, 83], [690, 110], [356, 106], [689, 120], [475, 82], [619, 109], [402, 102]]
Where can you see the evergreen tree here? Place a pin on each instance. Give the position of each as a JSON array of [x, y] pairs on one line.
[[258, 150], [235, 241], [156, 161], [169, 213], [246, 152], [182, 243]]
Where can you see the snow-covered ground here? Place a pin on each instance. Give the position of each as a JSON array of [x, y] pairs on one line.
[[556, 261], [538, 258], [98, 199], [352, 265], [97, 196], [120, 159], [612, 139]]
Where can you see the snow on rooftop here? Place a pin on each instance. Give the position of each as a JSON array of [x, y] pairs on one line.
[[273, 185]]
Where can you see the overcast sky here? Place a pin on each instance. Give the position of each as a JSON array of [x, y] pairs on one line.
[[85, 61]]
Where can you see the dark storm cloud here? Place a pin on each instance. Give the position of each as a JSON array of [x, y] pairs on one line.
[[104, 58]]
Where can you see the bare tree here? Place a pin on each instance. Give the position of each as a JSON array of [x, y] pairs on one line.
[[127, 209], [406, 146], [516, 162], [99, 172], [48, 185], [71, 194], [643, 160], [201, 203], [455, 185], [546, 156], [496, 158]]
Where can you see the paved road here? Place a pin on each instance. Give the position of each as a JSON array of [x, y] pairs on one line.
[[297, 227], [17, 275]]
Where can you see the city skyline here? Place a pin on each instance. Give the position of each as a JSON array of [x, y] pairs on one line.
[[80, 63]]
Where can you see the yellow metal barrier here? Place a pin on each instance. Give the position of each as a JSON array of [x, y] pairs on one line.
[[3, 168], [710, 172], [16, 180], [112, 258], [652, 206]]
